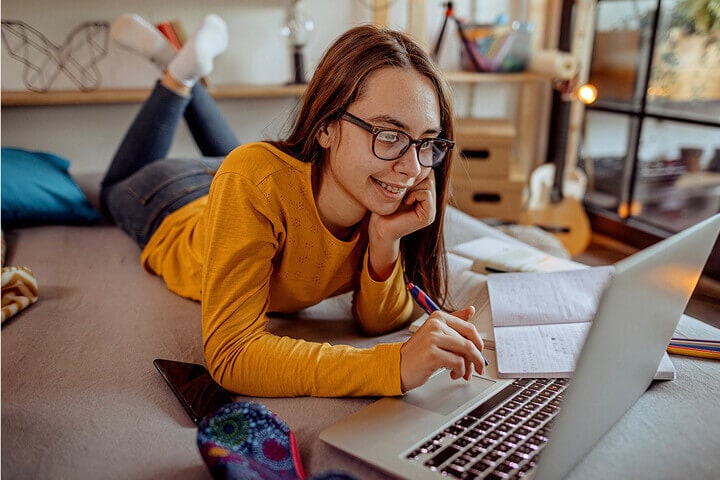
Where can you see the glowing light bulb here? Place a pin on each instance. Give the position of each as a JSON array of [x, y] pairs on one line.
[[587, 93]]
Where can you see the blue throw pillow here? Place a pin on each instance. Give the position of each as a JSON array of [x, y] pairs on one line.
[[37, 189]]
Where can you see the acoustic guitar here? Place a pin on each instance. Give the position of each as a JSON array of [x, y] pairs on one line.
[[557, 189], [555, 200]]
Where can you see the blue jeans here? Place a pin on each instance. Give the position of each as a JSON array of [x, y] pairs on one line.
[[141, 186]]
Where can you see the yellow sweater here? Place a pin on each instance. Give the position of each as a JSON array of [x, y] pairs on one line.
[[256, 245]]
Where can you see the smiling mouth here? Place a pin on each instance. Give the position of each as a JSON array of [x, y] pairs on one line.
[[390, 188]]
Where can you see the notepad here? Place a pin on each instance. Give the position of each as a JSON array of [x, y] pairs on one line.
[[491, 255], [540, 321]]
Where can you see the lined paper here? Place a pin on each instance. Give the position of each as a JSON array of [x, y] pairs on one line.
[[544, 298], [540, 319]]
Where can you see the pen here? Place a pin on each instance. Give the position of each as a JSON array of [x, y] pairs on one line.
[[429, 306], [695, 341], [695, 347], [422, 299], [711, 348], [490, 269], [693, 352]]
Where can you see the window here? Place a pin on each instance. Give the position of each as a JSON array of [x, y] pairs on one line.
[[651, 142]]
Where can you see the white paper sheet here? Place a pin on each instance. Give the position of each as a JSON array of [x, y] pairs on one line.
[[493, 254], [547, 350], [543, 298]]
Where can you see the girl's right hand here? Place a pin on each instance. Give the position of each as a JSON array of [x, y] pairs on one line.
[[443, 341]]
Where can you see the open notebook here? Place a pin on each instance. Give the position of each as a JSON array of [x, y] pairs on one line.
[[470, 262], [539, 312], [540, 321]]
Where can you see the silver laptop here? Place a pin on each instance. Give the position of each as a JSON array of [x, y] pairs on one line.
[[539, 428]]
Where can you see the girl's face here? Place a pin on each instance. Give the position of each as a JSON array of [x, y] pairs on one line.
[[355, 181]]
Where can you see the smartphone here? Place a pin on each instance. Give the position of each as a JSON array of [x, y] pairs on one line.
[[193, 386]]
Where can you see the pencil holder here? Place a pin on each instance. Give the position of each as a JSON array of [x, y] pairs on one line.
[[497, 48]]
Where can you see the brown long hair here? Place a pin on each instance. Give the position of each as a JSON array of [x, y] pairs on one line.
[[338, 81]]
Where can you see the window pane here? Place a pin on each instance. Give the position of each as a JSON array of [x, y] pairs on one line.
[[685, 72], [604, 158], [620, 51], [678, 178]]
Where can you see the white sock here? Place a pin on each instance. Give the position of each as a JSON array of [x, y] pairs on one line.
[[132, 32], [195, 58]]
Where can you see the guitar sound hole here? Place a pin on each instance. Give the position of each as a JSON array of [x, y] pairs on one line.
[[486, 198], [555, 228]]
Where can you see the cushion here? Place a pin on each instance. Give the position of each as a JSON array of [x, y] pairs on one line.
[[37, 189], [245, 440], [19, 290]]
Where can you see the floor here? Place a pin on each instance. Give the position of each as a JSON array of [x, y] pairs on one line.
[[705, 302]]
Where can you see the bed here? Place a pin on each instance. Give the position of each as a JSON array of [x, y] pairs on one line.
[[81, 398]]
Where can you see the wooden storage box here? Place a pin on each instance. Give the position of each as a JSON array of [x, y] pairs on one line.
[[489, 197], [485, 145]]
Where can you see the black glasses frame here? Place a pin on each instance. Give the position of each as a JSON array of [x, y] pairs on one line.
[[442, 144]]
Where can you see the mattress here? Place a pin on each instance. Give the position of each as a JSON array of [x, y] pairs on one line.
[[81, 398]]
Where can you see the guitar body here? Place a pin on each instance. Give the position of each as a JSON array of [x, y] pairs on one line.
[[541, 185], [566, 220]]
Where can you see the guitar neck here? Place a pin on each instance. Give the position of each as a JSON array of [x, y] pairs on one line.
[[557, 148], [560, 117]]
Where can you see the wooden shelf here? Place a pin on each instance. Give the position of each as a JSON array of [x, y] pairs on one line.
[[518, 77], [138, 95]]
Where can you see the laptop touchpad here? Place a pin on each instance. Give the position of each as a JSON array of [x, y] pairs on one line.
[[442, 395]]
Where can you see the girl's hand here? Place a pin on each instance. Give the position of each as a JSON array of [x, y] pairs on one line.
[[443, 341], [416, 211]]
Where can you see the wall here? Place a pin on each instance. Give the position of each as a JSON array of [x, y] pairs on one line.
[[258, 53]]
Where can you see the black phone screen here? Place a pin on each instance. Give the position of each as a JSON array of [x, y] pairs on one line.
[[192, 384]]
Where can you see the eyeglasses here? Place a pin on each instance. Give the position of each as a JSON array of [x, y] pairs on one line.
[[389, 144]]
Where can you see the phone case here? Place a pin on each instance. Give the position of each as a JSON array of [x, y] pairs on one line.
[[193, 386]]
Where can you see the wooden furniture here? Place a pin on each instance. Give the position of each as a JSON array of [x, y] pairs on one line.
[[522, 149], [138, 95], [487, 182]]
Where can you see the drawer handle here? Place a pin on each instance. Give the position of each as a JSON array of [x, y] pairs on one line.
[[477, 154], [486, 198]]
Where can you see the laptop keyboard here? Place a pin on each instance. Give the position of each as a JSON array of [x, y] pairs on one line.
[[499, 439]]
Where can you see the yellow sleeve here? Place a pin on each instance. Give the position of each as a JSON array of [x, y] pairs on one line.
[[382, 307], [243, 236]]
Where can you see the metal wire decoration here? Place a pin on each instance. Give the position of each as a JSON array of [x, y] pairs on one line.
[[77, 57]]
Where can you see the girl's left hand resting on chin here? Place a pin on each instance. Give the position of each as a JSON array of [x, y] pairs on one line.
[[416, 211], [444, 341]]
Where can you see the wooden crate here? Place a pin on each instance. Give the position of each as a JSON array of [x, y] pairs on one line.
[[486, 146], [489, 197]]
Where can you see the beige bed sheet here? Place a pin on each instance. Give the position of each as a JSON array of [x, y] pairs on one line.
[[81, 398]]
